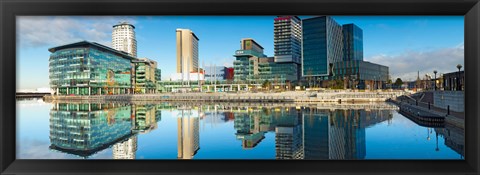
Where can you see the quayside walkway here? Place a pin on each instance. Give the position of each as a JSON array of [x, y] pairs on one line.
[[242, 97], [426, 114]]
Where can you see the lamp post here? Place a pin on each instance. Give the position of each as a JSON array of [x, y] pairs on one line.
[[435, 81], [459, 66]]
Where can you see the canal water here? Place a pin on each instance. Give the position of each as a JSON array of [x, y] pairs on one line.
[[227, 131]]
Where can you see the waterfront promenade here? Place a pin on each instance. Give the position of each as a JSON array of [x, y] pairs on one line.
[[428, 115], [292, 96]]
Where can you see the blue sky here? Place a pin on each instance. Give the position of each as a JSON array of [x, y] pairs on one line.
[[406, 44]]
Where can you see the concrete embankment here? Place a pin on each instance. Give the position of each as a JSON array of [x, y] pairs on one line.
[[30, 95], [425, 116], [241, 97]]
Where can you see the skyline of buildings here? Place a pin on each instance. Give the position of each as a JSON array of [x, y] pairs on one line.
[[144, 35], [331, 52]]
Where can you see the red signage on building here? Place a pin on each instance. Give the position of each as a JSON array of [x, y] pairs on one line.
[[282, 18]]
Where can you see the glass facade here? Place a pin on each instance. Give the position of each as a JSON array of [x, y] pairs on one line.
[[240, 70], [322, 45], [352, 42], [252, 66], [361, 71], [84, 129], [144, 76], [86, 68], [158, 75]]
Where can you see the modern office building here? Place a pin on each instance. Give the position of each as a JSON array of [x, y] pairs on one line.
[[89, 68], [287, 45], [158, 74], [358, 74], [144, 75], [352, 42], [278, 73], [245, 62], [287, 39], [321, 47], [187, 51], [333, 52], [215, 73], [254, 67], [123, 38]]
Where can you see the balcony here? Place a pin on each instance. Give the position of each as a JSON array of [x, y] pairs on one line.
[[248, 53], [237, 62]]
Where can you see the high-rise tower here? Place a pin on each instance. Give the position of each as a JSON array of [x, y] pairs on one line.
[[123, 38], [187, 51], [321, 47], [352, 42], [287, 39], [287, 35]]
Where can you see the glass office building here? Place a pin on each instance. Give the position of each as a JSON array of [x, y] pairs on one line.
[[287, 44], [287, 39], [245, 64], [252, 66], [334, 52], [89, 68], [352, 42], [144, 76], [361, 74], [321, 47]]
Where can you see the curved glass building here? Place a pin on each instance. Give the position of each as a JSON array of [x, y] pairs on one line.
[[89, 68]]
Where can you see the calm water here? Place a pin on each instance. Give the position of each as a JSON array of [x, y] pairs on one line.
[[226, 131]]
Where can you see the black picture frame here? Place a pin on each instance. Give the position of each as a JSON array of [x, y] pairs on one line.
[[9, 9]]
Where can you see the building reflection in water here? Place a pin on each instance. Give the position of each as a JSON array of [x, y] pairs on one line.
[[338, 133], [300, 132], [126, 149], [188, 125], [83, 129], [308, 133]]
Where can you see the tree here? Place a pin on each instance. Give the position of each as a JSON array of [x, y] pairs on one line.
[[266, 84], [398, 82]]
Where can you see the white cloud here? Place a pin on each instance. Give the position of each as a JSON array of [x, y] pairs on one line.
[[49, 31], [406, 65]]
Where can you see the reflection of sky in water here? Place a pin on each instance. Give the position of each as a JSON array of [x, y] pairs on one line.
[[396, 138]]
